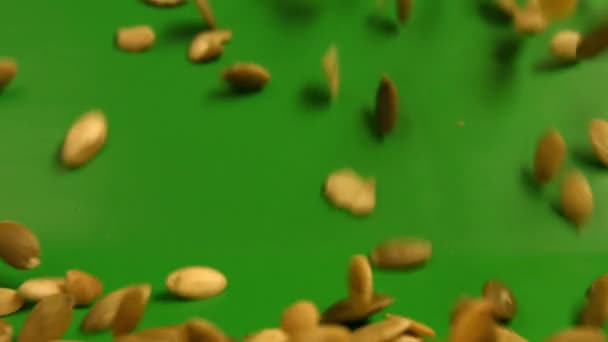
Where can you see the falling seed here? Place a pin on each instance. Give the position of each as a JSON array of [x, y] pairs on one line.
[[385, 330], [246, 76], [19, 247], [200, 330], [507, 335], [401, 253], [595, 311], [196, 282], [504, 304], [416, 328], [135, 38], [530, 20], [85, 139], [508, 7], [387, 105], [84, 287], [324, 333], [6, 331], [8, 71], [34, 290], [360, 279], [208, 45], [49, 319], [300, 317], [557, 9], [594, 43], [205, 10], [10, 302], [598, 136], [165, 3], [267, 335], [576, 198], [331, 68], [475, 323], [130, 311], [404, 8], [345, 189], [576, 334], [565, 43], [549, 157]]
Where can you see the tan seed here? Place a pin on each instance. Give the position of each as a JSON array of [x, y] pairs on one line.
[[504, 304], [382, 331], [10, 301], [6, 331], [196, 282], [595, 311], [19, 247], [407, 338], [246, 76], [549, 157], [416, 328], [174, 333], [130, 311], [401, 253], [506, 335], [557, 9], [208, 45], [576, 198], [324, 333], [8, 71], [300, 317], [474, 324], [578, 334], [564, 44], [102, 313], [508, 7], [387, 105], [49, 319], [360, 279], [345, 189], [33, 290], [199, 330], [598, 136], [530, 20], [403, 9], [84, 287], [331, 67], [85, 139], [268, 335], [135, 38], [165, 3], [206, 12]]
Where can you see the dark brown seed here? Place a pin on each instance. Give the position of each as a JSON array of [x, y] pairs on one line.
[[387, 105], [594, 42], [130, 311], [403, 9], [474, 324], [401, 253], [19, 247], [199, 330], [504, 304], [49, 319], [578, 334], [550, 156], [246, 76], [348, 310]]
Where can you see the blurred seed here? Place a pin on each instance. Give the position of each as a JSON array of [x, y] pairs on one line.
[[331, 67], [407, 338], [401, 253], [33, 290], [600, 283], [360, 280], [268, 335], [174, 333], [576, 198], [564, 44], [246, 76], [6, 331], [8, 71], [300, 317], [324, 333], [348, 310], [387, 329], [594, 43], [208, 45], [506, 335], [85, 138], [387, 105], [557, 9], [196, 282], [504, 304], [49, 319], [19, 247], [598, 136], [462, 305], [130, 311], [10, 302], [346, 189], [165, 3], [84, 287], [578, 334], [530, 19], [199, 330], [135, 38], [550, 156], [403, 9], [474, 324], [508, 7], [595, 311], [206, 12], [416, 328]]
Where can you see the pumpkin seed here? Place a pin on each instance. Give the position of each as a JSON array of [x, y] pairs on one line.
[[508, 7], [530, 20], [565, 43], [345, 189], [387, 105], [401, 253], [557, 9], [102, 313], [196, 282], [135, 38], [330, 65], [268, 335], [462, 305], [403, 9], [598, 136], [206, 12], [504, 304], [85, 139], [577, 334], [130, 311], [576, 198], [406, 338], [506, 335], [416, 328], [10, 301], [360, 279], [8, 71], [324, 333], [6, 331], [599, 284], [84, 287], [595, 311], [174, 333], [208, 45], [594, 43], [49, 319], [19, 247], [199, 330], [165, 3], [300, 317], [474, 324], [246, 76], [387, 329], [550, 156], [33, 290]]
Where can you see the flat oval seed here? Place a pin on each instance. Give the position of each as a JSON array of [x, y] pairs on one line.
[[204, 47], [199, 330], [416, 328], [565, 43], [360, 280], [504, 304], [246, 76], [345, 189], [557, 9], [196, 282], [401, 253], [165, 3], [49, 319], [6, 331], [549, 157], [578, 334], [530, 20], [324, 333], [85, 139], [474, 323], [576, 198], [267, 335], [8, 71], [10, 301], [206, 12], [598, 136], [19, 247], [506, 335], [382, 331], [135, 38], [387, 105], [33, 290], [130, 311], [84, 287], [300, 317]]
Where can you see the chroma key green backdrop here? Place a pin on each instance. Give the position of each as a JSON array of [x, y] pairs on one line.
[[194, 175]]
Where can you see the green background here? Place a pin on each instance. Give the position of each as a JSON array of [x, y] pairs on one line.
[[194, 175]]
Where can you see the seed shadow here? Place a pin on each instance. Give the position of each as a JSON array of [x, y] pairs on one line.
[[369, 122], [382, 25], [315, 96], [553, 65], [228, 93], [57, 162], [296, 12], [505, 52], [586, 157], [166, 297], [180, 31], [354, 325], [490, 12], [526, 178]]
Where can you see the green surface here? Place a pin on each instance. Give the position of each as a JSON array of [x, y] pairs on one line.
[[193, 175]]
